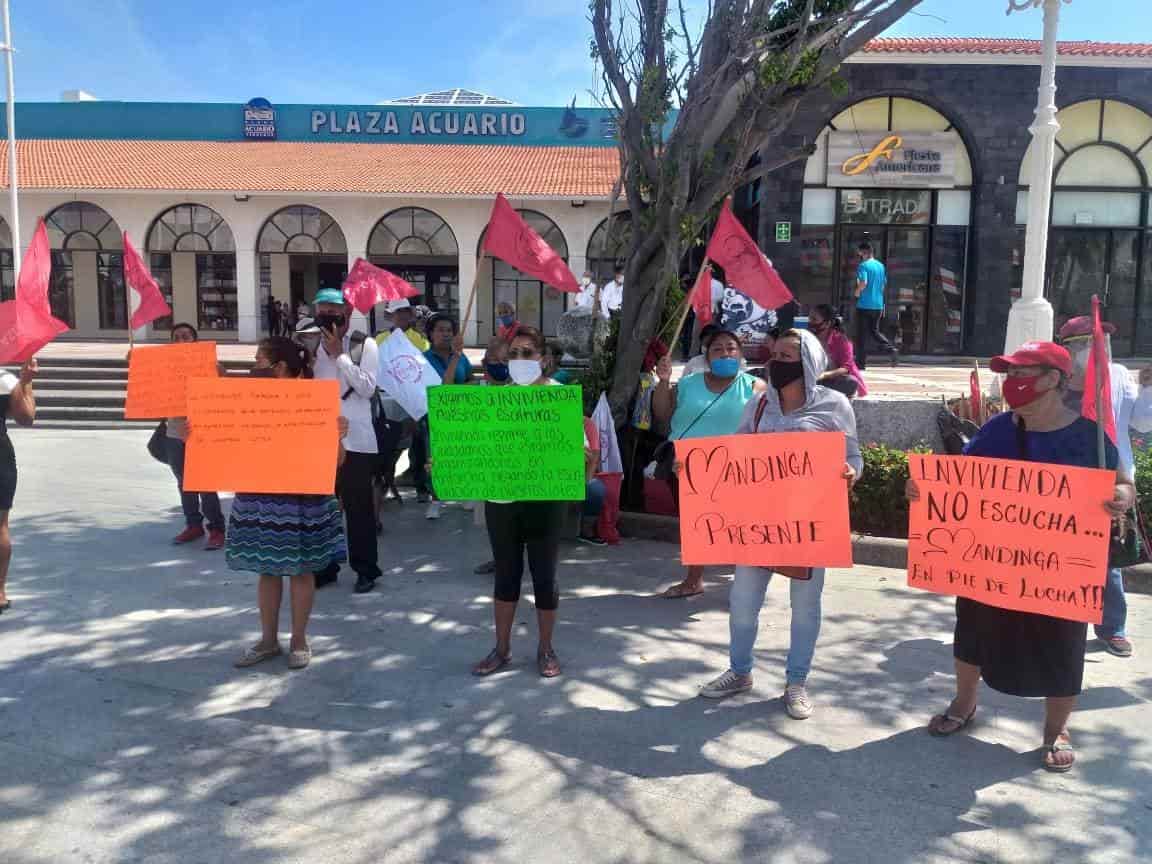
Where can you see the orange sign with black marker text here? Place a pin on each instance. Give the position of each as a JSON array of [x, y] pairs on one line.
[[262, 435], [158, 378], [764, 500], [1028, 536]]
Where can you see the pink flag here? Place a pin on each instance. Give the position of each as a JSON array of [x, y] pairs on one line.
[[368, 285], [744, 264], [510, 239], [35, 272], [24, 330], [701, 298], [152, 304], [1098, 378]]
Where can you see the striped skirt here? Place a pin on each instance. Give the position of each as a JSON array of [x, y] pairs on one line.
[[285, 535]]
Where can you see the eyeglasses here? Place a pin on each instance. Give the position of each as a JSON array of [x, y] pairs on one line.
[[523, 354]]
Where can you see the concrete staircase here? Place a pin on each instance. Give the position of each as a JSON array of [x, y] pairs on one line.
[[88, 393]]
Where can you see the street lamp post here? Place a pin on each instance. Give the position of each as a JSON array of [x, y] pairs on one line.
[[1031, 316], [13, 186]]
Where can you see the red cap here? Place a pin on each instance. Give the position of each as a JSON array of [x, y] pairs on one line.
[[1035, 354], [1082, 326]]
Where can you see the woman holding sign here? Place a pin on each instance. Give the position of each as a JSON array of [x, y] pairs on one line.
[[710, 403], [17, 402], [284, 535], [796, 402], [1023, 653]]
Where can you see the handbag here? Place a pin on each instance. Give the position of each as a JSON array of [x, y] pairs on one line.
[[1128, 545], [665, 455], [158, 443]]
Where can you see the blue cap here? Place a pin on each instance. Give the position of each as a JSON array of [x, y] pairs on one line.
[[330, 295]]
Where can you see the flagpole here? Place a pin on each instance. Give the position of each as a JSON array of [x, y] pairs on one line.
[[1098, 352], [688, 302], [13, 197], [472, 296]]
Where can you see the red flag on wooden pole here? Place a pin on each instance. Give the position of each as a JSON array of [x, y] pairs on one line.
[[1097, 400], [510, 239], [36, 271], [977, 398], [27, 323], [744, 264], [702, 296], [152, 304], [368, 285]]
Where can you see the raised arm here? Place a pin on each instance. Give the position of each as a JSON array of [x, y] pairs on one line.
[[22, 400]]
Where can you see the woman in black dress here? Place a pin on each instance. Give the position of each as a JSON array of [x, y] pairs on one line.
[[18, 402]]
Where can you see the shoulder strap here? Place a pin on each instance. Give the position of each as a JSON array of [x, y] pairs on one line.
[[709, 406], [356, 353], [763, 404]]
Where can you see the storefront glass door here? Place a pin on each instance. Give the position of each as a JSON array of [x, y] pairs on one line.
[[904, 253], [1085, 262]]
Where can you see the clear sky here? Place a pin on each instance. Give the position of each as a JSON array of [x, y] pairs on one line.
[[534, 52]]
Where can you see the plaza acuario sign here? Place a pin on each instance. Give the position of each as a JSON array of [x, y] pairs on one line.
[[887, 159], [481, 124]]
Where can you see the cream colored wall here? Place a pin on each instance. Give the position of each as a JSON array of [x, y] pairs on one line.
[[184, 288]]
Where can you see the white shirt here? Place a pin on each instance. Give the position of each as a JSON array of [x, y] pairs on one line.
[[717, 295], [611, 297], [586, 297], [361, 380]]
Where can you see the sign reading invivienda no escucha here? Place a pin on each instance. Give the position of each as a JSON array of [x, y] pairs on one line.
[[260, 119]]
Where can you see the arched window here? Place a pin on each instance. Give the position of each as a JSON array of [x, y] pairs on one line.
[[302, 230], [537, 304], [197, 229], [7, 273], [606, 252], [1099, 241], [80, 227], [412, 231]]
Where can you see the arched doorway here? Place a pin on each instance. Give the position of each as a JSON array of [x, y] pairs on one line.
[[192, 256], [1099, 240], [420, 247], [86, 289], [301, 249], [537, 304], [895, 172], [606, 252]]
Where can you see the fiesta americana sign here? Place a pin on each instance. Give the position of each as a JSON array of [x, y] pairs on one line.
[[863, 159]]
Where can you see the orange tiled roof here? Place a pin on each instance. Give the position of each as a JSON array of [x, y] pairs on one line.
[[282, 166], [948, 45]]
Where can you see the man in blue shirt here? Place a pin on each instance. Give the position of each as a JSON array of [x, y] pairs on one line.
[[871, 279]]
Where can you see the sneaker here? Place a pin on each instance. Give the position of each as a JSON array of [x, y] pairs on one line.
[[1118, 646], [254, 654], [192, 532], [796, 702], [300, 659], [363, 585], [434, 510], [728, 684], [592, 541], [215, 540]]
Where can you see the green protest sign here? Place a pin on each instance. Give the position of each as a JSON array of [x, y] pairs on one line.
[[507, 443]]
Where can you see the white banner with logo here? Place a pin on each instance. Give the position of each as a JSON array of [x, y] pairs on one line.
[[405, 374], [905, 159]]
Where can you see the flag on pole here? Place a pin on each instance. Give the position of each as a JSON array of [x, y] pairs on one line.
[[510, 239], [1097, 404], [977, 398], [152, 304], [27, 323], [35, 272], [368, 285], [701, 298], [744, 264]]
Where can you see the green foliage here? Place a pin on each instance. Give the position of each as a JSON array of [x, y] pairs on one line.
[[877, 501], [1143, 480], [598, 378]]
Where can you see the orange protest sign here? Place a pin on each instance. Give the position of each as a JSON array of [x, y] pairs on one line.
[[1028, 536], [158, 377], [262, 435], [764, 500]]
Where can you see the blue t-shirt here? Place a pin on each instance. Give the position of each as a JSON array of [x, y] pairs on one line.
[[871, 272], [1073, 445], [463, 367]]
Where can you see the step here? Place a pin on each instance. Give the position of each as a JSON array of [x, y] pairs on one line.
[[81, 424], [80, 399], [54, 385], [84, 412]]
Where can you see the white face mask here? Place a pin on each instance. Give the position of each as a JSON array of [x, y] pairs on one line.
[[585, 281], [524, 372]]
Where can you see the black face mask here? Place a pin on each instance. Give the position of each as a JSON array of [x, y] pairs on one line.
[[262, 372], [329, 322], [781, 373], [497, 371]]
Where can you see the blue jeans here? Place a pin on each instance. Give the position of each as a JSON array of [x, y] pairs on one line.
[[198, 507], [1115, 607], [594, 494], [744, 602]]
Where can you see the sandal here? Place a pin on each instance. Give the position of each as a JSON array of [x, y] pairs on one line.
[[1062, 744], [254, 654], [300, 658], [494, 662], [936, 724], [548, 664], [681, 591]]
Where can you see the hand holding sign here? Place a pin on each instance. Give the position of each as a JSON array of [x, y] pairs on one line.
[[158, 377]]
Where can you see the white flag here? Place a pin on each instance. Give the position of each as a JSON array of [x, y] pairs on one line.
[[405, 374], [610, 462]]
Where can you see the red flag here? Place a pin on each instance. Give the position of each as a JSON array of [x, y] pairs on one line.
[[509, 238], [702, 296], [744, 264], [1097, 377], [977, 399], [24, 330], [35, 272], [152, 304], [368, 285]]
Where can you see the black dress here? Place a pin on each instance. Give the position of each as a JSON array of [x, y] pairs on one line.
[[8, 383]]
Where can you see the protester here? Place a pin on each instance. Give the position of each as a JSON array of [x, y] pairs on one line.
[[699, 363], [354, 366], [586, 298], [595, 491], [843, 376], [871, 280], [284, 535], [1023, 653], [506, 318], [403, 318], [519, 527], [1129, 407], [612, 294], [447, 357], [710, 403], [553, 360], [18, 402], [199, 507], [795, 402], [495, 366], [272, 315]]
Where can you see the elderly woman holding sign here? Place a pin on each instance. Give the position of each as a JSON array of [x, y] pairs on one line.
[[1023, 653], [794, 403]]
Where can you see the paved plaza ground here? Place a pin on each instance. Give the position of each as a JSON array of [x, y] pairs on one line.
[[126, 735]]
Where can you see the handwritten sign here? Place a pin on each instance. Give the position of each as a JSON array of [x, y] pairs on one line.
[[764, 500], [507, 443], [1028, 536], [262, 435], [158, 377]]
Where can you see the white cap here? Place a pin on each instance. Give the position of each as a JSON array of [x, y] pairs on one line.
[[402, 303]]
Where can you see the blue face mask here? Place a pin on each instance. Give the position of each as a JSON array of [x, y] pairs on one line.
[[507, 320], [497, 371], [725, 367]]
